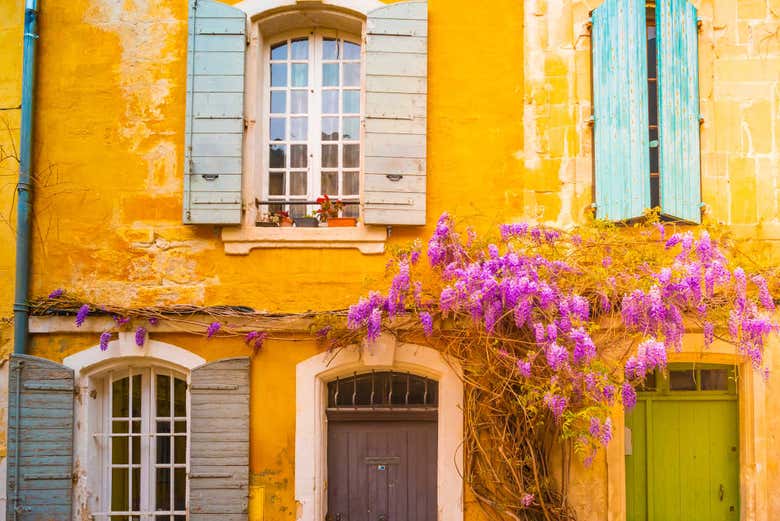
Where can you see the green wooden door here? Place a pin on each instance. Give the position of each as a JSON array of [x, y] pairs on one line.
[[682, 448]]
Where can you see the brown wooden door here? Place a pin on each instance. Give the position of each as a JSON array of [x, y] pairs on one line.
[[381, 470]]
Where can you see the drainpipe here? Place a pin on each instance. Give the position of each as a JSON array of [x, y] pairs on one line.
[[24, 187]]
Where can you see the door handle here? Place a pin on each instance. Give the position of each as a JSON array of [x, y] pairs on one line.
[[721, 492], [381, 517]]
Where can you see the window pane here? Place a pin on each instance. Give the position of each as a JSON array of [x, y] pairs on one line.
[[277, 156], [298, 156], [135, 426], [351, 184], [180, 426], [179, 490], [179, 449], [351, 102], [330, 49], [120, 390], [299, 102], [120, 499], [351, 74], [137, 396], [278, 75], [279, 51], [119, 426], [330, 74], [119, 450], [351, 51], [330, 101], [298, 183], [330, 129], [350, 128], [277, 129], [162, 488], [136, 486], [330, 156], [163, 449], [179, 397], [278, 101], [136, 443], [276, 183], [682, 380], [163, 395], [300, 74], [300, 49], [329, 182], [714, 379], [351, 156], [299, 129], [351, 210]]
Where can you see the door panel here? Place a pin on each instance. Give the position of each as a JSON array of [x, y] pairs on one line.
[[380, 470]]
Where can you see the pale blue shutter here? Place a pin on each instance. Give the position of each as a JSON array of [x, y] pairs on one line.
[[219, 441], [214, 127], [621, 140], [40, 440], [678, 110], [396, 79]]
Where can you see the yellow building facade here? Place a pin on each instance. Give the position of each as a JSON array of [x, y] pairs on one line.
[[509, 97]]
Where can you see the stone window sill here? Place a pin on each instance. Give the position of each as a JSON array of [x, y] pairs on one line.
[[367, 239]]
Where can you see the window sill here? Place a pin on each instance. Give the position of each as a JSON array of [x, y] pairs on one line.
[[367, 239]]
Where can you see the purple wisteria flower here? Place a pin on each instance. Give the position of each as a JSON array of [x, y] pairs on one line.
[[81, 316], [213, 329], [427, 323], [153, 321], [374, 325], [524, 366], [104, 339], [527, 500], [557, 356], [629, 396], [57, 293], [557, 404], [121, 321], [256, 338], [140, 336]]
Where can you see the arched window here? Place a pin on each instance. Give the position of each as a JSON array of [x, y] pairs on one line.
[[383, 390], [313, 113]]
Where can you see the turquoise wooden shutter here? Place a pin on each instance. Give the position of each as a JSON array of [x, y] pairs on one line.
[[40, 440], [219, 441], [214, 127], [678, 109], [396, 79], [621, 139]]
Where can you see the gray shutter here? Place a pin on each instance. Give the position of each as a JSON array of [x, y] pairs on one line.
[[678, 110], [219, 441], [40, 440], [620, 128], [396, 65], [214, 126]]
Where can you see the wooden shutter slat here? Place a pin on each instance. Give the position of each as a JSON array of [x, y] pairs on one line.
[[214, 119], [395, 149], [621, 140], [219, 441], [40, 439], [678, 110]]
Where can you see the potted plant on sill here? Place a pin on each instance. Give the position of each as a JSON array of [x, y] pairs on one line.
[[330, 211], [308, 221], [275, 219]]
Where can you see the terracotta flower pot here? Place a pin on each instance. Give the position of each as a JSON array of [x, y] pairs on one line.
[[306, 222], [336, 222], [286, 223]]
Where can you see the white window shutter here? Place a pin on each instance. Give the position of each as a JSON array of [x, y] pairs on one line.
[[214, 127], [396, 82]]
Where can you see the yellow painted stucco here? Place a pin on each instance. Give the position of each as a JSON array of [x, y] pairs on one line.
[[508, 104]]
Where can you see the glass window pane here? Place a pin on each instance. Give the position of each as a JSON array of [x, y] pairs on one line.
[[163, 395], [277, 156], [298, 183], [330, 156], [330, 74], [299, 129], [119, 450], [163, 427], [137, 396], [350, 129], [278, 75], [300, 49], [179, 397], [351, 210], [330, 49], [682, 380], [180, 426], [300, 74], [714, 380], [162, 518], [119, 426], [163, 449], [120, 493], [135, 426], [179, 449], [298, 156], [278, 101], [279, 51], [179, 489], [276, 183], [162, 487], [277, 129], [351, 102], [120, 390], [329, 182], [330, 102], [351, 184], [136, 486], [351, 51], [352, 74], [299, 102], [136, 443], [351, 156], [330, 129]]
